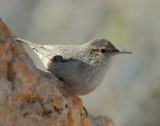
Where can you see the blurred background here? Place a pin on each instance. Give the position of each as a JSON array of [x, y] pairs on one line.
[[130, 92]]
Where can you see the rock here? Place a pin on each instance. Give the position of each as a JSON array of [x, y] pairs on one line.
[[31, 97]]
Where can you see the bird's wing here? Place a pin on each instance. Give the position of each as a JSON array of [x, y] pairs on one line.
[[56, 53]]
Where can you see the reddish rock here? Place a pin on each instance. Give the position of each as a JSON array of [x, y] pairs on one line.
[[30, 97]]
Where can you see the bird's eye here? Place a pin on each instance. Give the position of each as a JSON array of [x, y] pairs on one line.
[[103, 50]]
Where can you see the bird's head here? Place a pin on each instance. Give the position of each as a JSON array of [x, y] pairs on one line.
[[101, 51]]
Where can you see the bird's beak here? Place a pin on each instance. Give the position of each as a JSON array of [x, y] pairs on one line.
[[122, 52]]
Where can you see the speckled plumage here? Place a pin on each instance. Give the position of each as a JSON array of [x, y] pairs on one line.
[[82, 67]]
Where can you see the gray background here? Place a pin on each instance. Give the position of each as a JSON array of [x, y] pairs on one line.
[[130, 92]]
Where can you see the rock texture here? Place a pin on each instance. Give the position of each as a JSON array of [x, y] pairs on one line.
[[30, 97]]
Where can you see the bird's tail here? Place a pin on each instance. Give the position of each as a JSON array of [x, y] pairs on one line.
[[31, 44]]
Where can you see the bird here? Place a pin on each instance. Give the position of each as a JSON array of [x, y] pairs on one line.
[[81, 67]]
